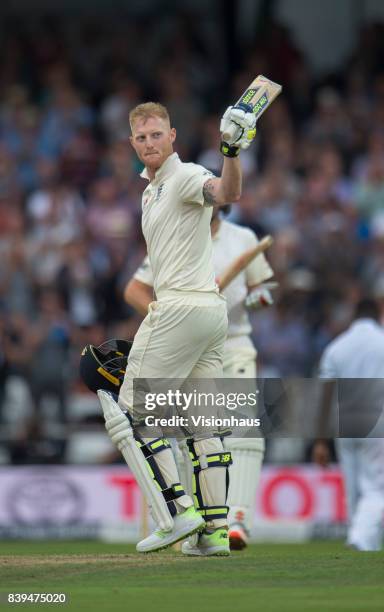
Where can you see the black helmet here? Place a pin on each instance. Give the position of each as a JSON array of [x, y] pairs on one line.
[[103, 367]]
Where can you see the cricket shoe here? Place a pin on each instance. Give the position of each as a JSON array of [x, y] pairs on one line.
[[184, 524], [215, 544], [238, 536]]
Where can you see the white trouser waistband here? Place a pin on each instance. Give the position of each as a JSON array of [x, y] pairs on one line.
[[197, 297]]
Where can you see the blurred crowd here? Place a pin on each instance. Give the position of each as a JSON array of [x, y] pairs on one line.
[[70, 194]]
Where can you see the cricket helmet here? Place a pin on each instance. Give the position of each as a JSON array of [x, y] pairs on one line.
[[103, 366]]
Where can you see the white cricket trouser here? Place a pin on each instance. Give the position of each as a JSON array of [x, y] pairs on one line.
[[182, 337], [362, 463]]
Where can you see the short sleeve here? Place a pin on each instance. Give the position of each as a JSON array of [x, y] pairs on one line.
[[144, 273], [259, 269], [192, 180]]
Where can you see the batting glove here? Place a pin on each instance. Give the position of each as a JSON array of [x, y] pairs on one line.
[[260, 297], [238, 130]]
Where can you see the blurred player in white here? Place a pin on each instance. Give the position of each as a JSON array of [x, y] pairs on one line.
[[183, 333], [245, 291], [358, 353]]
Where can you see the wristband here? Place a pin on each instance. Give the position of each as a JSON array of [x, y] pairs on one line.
[[229, 150]]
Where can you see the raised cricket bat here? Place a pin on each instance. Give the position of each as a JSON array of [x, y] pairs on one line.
[[257, 97], [242, 261]]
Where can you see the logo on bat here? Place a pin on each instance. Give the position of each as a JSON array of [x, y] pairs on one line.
[[249, 95], [260, 105]]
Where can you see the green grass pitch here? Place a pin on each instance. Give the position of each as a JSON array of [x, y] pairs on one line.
[[317, 576]]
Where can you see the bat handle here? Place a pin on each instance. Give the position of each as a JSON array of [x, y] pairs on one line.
[[229, 134]]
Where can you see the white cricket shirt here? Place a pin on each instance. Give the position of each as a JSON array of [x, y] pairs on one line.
[[176, 227], [356, 353], [229, 242]]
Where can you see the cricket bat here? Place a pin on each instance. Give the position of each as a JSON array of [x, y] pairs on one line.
[[242, 262], [257, 97]]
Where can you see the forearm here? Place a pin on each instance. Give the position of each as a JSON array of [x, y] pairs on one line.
[[231, 180], [139, 296]]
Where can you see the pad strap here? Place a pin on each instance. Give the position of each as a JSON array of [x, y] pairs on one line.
[[209, 513], [173, 492], [209, 461], [153, 447]]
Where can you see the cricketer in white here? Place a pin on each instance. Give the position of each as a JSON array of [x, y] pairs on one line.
[[183, 334], [229, 242], [358, 353]]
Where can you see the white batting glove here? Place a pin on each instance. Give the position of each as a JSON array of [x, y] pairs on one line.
[[260, 297], [238, 127]]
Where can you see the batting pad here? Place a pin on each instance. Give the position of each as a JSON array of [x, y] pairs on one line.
[[244, 476], [210, 482], [161, 459], [139, 456]]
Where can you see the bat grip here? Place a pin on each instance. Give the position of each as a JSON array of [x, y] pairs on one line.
[[229, 134]]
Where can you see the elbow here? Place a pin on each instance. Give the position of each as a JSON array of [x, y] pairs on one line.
[[230, 197]]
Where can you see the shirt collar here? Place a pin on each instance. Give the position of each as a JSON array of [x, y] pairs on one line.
[[167, 168]]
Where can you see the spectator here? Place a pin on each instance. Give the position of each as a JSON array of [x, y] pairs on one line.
[[49, 368], [109, 219]]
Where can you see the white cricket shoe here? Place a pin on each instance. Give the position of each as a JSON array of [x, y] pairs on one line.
[[238, 536], [208, 545], [184, 524]]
